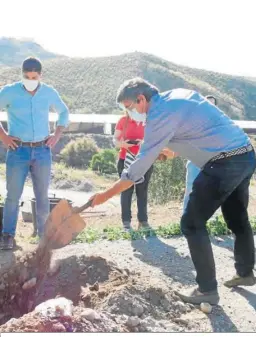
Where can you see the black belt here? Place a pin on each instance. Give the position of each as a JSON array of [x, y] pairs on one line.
[[236, 152], [30, 144]]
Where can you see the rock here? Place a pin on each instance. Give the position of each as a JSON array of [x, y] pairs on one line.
[[29, 284], [206, 308], [148, 322], [90, 315], [175, 297], [133, 321], [171, 327], [181, 306], [54, 268], [137, 310], [95, 287], [57, 307], [86, 186], [2, 286], [165, 304], [58, 327], [181, 321]]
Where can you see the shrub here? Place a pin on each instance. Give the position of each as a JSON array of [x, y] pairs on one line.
[[78, 153], [167, 181], [104, 161]]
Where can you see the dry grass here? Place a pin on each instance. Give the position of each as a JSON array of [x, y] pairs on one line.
[[64, 173]]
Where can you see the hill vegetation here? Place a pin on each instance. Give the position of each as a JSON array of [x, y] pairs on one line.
[[89, 85]]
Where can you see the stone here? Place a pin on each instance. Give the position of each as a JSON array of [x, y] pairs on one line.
[[90, 315], [54, 268], [137, 310], [165, 304], [133, 321], [181, 306], [29, 284], [206, 308]]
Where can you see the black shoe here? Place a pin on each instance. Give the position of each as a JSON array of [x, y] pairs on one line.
[[7, 242]]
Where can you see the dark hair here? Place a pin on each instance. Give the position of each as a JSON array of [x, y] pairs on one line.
[[32, 64], [131, 89], [212, 97]]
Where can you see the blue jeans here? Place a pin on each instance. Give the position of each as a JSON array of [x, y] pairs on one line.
[[192, 173], [19, 163]]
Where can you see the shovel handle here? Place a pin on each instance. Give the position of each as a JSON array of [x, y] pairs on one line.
[[82, 208]]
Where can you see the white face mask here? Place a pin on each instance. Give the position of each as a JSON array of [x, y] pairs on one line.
[[30, 85], [141, 118]]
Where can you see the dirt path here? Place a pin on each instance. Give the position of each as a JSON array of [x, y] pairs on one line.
[[78, 198]]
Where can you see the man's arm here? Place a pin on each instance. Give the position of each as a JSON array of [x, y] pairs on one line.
[[4, 97], [61, 108], [63, 118], [8, 141], [158, 133]]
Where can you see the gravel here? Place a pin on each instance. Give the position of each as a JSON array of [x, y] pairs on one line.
[[167, 263]]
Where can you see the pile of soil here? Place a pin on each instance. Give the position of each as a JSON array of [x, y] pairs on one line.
[[82, 320], [118, 299]]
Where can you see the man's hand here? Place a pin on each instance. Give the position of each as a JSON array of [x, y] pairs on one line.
[[162, 157], [52, 140], [99, 198], [118, 187], [9, 141], [167, 154]]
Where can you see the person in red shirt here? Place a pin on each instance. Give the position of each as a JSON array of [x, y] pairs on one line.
[[128, 130]]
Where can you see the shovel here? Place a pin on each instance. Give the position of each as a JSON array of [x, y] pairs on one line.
[[63, 225]]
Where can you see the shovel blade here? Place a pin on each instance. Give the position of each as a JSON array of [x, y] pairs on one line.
[[62, 226]]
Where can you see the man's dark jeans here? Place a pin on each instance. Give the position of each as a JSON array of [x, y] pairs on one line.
[[141, 193], [223, 183]]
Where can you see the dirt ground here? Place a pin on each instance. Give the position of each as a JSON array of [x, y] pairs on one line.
[[130, 286], [122, 285]]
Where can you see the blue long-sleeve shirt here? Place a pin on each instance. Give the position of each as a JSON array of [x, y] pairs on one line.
[[184, 121], [28, 116]]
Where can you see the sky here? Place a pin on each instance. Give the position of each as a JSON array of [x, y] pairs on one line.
[[217, 35]]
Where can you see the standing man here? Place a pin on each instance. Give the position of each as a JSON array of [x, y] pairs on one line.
[[29, 143], [189, 124], [192, 169]]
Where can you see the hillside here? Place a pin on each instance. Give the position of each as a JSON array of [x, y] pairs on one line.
[[89, 85], [14, 51]]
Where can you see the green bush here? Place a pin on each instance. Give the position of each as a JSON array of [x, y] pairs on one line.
[[167, 181], [78, 153], [104, 161]]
